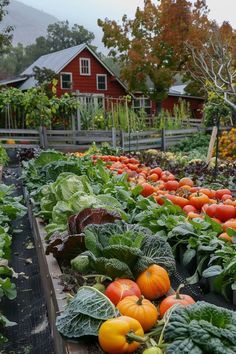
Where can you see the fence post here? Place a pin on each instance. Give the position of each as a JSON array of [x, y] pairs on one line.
[[163, 140], [41, 137], [45, 138], [122, 140], [113, 134]]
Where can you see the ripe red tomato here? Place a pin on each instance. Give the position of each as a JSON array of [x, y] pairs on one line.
[[226, 197], [230, 223], [209, 192], [180, 201], [186, 181], [210, 210], [221, 192], [121, 288], [198, 200], [193, 215], [224, 212], [189, 208], [224, 236], [167, 176], [172, 185], [153, 177], [148, 190], [156, 170]]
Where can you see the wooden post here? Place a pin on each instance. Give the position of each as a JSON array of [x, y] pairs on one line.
[[163, 140], [45, 137], [211, 144], [113, 132], [41, 137], [122, 140], [74, 129]]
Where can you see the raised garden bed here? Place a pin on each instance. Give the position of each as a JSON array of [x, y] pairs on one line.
[[50, 275]]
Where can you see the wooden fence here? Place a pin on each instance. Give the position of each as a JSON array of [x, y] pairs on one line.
[[71, 140]]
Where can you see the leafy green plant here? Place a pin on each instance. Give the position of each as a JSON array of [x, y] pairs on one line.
[[124, 250], [3, 156], [201, 328], [85, 313]]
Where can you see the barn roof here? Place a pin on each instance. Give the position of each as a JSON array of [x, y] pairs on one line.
[[55, 61]]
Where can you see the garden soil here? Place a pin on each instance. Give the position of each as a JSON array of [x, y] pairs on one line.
[[31, 335]]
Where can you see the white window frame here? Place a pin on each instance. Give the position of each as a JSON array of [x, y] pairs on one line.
[[71, 78], [142, 105], [101, 75], [93, 97], [89, 66]]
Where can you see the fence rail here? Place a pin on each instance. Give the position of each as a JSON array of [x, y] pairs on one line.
[[71, 140]]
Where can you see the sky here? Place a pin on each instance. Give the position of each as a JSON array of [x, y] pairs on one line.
[[86, 12]]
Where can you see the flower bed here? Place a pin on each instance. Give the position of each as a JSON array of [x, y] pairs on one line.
[[82, 201]]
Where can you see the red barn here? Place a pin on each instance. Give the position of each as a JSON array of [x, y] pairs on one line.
[[80, 70]]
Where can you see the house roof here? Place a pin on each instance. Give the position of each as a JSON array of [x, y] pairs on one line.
[[55, 61], [13, 80], [29, 83], [178, 89]]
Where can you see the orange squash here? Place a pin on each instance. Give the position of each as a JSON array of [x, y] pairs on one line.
[[177, 298], [154, 282], [10, 142], [140, 309]]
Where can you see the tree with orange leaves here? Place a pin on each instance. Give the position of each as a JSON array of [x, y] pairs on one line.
[[151, 47]]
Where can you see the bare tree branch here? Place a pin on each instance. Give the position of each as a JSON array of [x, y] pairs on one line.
[[213, 64]]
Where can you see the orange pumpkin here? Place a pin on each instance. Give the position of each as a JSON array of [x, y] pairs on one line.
[[140, 309], [177, 298], [10, 142], [154, 282]]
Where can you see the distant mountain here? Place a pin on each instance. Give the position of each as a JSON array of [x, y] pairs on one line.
[[29, 23]]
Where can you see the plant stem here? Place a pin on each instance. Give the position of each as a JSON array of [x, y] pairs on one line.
[[177, 294], [131, 336]]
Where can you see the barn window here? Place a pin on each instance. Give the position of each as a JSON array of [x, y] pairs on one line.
[[101, 82], [85, 66], [66, 81], [142, 103]]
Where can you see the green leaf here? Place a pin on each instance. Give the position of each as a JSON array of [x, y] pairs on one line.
[[7, 288], [212, 271], [231, 232], [85, 313], [189, 254]]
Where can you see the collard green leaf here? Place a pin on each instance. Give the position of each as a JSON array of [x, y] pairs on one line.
[[157, 249], [85, 313], [201, 328], [126, 254], [112, 267], [78, 325], [91, 302]]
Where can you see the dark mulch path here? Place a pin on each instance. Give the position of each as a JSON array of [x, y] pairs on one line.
[[32, 332]]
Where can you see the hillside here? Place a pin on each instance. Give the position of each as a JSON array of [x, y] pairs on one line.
[[29, 23]]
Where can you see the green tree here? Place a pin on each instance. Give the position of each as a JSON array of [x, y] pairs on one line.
[[6, 33], [151, 46], [59, 36]]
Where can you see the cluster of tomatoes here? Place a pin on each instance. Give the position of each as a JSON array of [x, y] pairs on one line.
[[139, 314], [195, 201]]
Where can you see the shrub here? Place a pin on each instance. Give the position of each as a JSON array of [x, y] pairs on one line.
[[227, 145]]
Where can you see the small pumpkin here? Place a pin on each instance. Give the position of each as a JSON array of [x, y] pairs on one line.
[[177, 298], [154, 282], [10, 142], [140, 309]]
